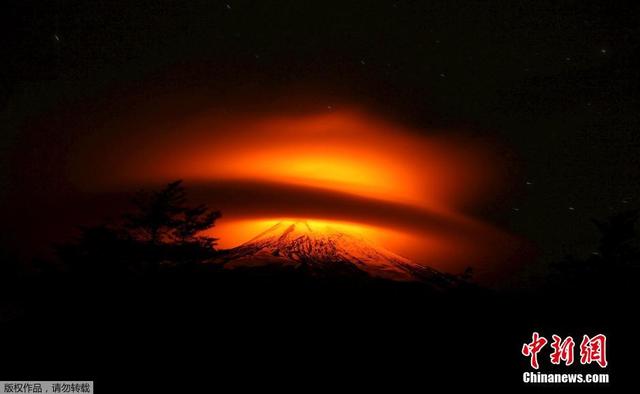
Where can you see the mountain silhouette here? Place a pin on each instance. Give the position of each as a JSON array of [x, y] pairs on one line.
[[323, 250]]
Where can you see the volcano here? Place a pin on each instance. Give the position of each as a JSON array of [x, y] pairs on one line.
[[322, 250]]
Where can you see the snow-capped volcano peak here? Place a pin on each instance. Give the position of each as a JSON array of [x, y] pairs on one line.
[[291, 230], [321, 248]]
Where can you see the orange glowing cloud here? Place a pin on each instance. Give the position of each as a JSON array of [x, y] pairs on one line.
[[348, 152], [400, 187]]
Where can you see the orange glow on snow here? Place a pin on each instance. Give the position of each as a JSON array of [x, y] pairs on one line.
[[239, 231], [441, 251], [356, 159]]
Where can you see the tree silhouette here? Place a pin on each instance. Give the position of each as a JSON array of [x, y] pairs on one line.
[[162, 230], [156, 213], [193, 221], [164, 217], [613, 266]]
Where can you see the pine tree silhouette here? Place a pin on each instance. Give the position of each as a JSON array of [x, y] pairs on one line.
[[163, 228], [164, 217]]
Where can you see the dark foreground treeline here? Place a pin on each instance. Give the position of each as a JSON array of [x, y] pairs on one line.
[[136, 303], [164, 234], [213, 329]]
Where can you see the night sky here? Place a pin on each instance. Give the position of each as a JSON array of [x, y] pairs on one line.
[[553, 85]]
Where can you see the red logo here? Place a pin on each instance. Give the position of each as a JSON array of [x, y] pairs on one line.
[[592, 349], [562, 350], [532, 349]]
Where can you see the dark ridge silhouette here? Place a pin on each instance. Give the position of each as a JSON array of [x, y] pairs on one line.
[[162, 235], [163, 230], [612, 267], [138, 292]]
